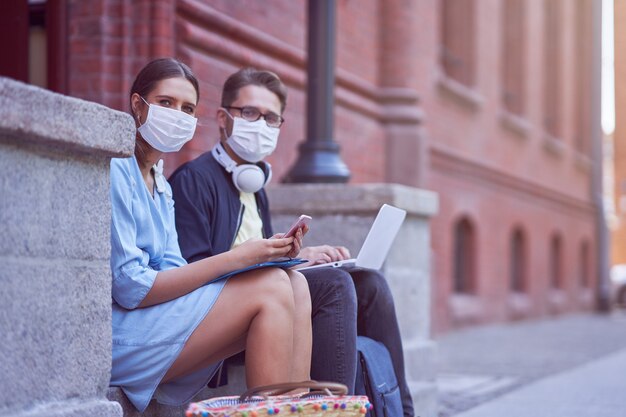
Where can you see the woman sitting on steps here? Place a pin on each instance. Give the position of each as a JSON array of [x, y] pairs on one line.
[[172, 326]]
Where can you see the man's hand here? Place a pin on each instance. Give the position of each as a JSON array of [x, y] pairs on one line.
[[323, 254]]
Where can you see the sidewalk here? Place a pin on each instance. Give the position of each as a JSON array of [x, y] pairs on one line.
[[564, 366]]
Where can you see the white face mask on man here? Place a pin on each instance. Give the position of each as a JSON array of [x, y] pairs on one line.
[[167, 130], [252, 141]]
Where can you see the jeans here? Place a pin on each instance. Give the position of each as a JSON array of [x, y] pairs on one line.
[[334, 319], [346, 302]]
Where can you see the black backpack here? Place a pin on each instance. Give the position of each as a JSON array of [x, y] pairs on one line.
[[376, 378]]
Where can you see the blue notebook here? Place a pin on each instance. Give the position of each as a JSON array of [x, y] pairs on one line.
[[278, 263]]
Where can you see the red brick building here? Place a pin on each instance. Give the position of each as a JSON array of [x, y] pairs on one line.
[[619, 135], [484, 101]]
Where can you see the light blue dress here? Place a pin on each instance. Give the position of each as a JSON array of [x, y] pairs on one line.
[[146, 341]]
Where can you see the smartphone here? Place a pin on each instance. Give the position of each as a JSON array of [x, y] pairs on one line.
[[302, 220]]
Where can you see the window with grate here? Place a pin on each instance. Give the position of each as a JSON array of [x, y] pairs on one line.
[[513, 55], [552, 29], [457, 55], [556, 268], [518, 262], [463, 262], [582, 52], [584, 265]]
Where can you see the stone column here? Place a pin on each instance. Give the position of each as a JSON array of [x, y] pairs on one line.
[[342, 215], [55, 281], [402, 117]]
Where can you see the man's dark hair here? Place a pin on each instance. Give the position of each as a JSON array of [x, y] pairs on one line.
[[252, 76]]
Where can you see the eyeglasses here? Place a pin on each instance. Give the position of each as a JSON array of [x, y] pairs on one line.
[[252, 114]]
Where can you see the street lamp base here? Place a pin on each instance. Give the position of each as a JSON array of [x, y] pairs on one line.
[[318, 162]]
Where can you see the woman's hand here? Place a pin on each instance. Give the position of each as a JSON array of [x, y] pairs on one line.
[[323, 254], [255, 251], [297, 242]]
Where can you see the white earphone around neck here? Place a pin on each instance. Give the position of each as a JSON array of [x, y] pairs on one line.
[[248, 178]]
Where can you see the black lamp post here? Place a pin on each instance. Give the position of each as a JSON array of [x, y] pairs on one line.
[[318, 159], [603, 299]]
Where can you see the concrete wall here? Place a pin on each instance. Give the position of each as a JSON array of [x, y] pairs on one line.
[[342, 215], [55, 283]]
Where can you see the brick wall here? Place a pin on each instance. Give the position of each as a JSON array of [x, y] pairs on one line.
[[397, 118], [109, 42], [503, 171], [218, 38]]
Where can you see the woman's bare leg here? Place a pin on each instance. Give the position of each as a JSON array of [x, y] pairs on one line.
[[268, 340], [254, 311], [302, 341]]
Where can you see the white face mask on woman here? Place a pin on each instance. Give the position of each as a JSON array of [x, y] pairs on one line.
[[252, 141], [167, 130]]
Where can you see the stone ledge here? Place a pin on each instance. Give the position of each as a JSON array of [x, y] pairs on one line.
[[49, 206], [237, 385], [466, 309], [420, 360], [517, 124], [32, 114], [343, 214], [89, 407], [557, 301], [464, 95], [519, 305], [350, 199], [553, 145], [583, 162]]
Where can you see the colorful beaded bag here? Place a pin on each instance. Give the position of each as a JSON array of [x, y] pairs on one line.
[[325, 399]]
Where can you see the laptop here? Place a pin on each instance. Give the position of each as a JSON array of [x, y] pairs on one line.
[[377, 243]]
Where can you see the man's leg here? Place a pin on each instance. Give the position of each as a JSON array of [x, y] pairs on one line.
[[377, 320], [333, 304]]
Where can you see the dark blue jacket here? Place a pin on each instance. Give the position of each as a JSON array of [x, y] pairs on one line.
[[201, 188]]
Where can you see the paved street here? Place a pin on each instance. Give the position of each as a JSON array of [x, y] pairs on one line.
[[545, 367]]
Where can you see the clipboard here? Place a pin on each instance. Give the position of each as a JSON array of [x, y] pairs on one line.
[[283, 263]]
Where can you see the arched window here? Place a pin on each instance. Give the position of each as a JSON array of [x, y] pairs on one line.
[[556, 269], [463, 257], [584, 265], [513, 55], [457, 40], [552, 67], [518, 262]]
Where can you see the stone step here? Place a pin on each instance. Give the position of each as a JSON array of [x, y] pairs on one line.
[[424, 396], [236, 385]]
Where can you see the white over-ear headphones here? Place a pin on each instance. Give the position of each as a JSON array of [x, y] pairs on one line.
[[248, 178]]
